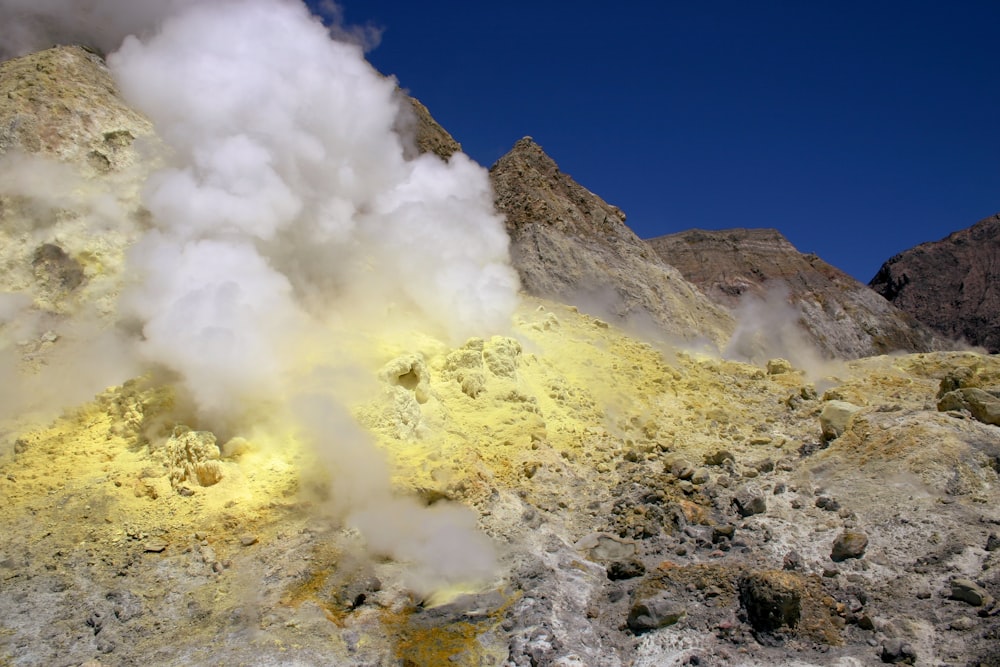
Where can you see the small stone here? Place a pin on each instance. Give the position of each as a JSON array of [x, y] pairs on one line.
[[865, 622], [682, 469], [792, 561], [992, 542], [849, 544], [653, 613], [723, 532], [247, 540], [896, 651], [827, 503], [749, 501], [701, 476], [962, 624], [779, 366], [625, 570], [154, 545], [969, 591], [719, 457]]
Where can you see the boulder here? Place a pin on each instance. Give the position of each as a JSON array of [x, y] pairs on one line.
[[772, 599], [835, 418], [983, 406], [849, 544], [654, 612]]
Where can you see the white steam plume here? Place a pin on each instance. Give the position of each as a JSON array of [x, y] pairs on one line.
[[31, 25], [289, 193], [288, 204]]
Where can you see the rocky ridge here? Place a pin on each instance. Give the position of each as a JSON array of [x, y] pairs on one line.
[[950, 285], [569, 244], [840, 316]]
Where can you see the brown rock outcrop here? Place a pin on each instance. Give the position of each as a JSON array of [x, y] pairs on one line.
[[950, 285], [838, 314], [568, 243], [428, 134]]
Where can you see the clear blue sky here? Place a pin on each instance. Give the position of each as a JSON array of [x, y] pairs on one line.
[[857, 129]]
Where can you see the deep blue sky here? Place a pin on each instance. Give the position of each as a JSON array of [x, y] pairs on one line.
[[857, 129]]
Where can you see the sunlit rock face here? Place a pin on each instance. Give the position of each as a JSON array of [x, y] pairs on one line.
[[759, 270], [568, 243], [950, 285], [605, 500]]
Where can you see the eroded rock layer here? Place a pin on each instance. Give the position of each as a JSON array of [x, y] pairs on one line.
[[842, 317], [950, 285]]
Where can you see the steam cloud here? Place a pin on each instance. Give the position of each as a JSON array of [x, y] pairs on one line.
[[288, 208]]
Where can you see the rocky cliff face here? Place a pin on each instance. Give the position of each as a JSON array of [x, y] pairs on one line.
[[69, 146], [950, 285], [569, 244], [839, 315]]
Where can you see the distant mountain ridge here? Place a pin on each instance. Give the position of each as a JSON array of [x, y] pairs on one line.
[[840, 315], [950, 285]]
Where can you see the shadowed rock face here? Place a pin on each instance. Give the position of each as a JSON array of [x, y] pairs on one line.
[[950, 285], [568, 243], [842, 317]]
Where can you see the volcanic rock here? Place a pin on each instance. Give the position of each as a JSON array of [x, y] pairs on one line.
[[896, 651], [849, 544], [654, 612], [951, 284], [63, 103], [772, 599], [969, 591], [428, 135], [983, 406], [838, 314], [568, 243], [835, 417]]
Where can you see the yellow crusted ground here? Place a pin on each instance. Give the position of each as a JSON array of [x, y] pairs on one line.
[[564, 395]]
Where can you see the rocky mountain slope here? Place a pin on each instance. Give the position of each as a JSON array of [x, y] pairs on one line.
[[950, 285], [840, 316], [642, 505], [569, 244]]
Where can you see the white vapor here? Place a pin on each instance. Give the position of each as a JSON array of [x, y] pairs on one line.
[[286, 204]]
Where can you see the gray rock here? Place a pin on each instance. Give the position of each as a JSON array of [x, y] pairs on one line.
[[792, 561], [849, 544], [749, 501], [896, 651], [992, 542], [655, 612], [969, 591], [719, 457]]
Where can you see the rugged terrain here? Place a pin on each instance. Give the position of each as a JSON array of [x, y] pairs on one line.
[[758, 269], [569, 244], [648, 503], [950, 285]]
